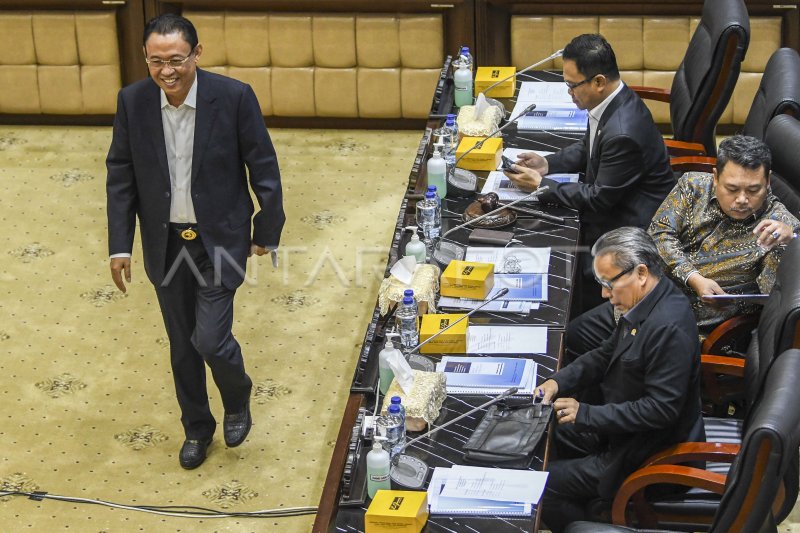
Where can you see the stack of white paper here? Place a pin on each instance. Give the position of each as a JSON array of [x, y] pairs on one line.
[[555, 109], [469, 490]]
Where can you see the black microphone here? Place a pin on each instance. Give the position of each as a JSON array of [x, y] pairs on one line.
[[526, 69]]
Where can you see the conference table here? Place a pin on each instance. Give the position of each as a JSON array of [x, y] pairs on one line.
[[344, 500]]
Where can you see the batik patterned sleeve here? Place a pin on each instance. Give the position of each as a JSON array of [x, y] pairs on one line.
[[769, 266], [671, 222]]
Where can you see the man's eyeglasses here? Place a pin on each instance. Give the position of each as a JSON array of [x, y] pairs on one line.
[[158, 63], [609, 284], [571, 85]]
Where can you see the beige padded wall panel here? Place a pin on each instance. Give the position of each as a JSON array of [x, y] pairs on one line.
[[336, 92], [421, 41], [247, 39], [290, 41], [19, 89], [54, 38], [377, 42], [292, 90], [624, 34], [16, 39], [97, 38], [746, 87], [567, 28], [632, 77], [765, 38], [60, 89], [260, 79], [379, 93], [218, 69], [416, 90], [665, 42], [531, 41], [656, 78], [99, 86], [211, 34], [334, 40]]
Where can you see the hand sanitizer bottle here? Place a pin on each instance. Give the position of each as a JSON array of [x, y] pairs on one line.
[[463, 83], [378, 466], [437, 171], [385, 371], [415, 246]]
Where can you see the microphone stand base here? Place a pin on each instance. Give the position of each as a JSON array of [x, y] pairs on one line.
[[408, 472], [420, 362]]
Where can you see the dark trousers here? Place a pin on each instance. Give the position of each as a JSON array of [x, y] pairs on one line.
[[198, 315], [574, 477], [587, 293], [588, 331]]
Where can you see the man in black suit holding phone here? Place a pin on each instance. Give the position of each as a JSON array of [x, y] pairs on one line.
[[623, 158], [185, 143]]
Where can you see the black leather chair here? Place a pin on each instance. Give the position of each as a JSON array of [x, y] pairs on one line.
[[783, 139], [762, 484], [777, 94], [705, 80]]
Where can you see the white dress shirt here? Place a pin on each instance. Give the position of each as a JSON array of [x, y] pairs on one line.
[[178, 125], [596, 113]]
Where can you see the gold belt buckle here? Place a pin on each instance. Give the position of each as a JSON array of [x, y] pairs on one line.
[[188, 234]]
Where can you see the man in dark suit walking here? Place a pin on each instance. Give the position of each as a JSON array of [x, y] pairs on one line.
[[185, 144], [648, 372], [623, 158]]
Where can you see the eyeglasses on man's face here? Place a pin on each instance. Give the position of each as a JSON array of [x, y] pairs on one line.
[[572, 85], [609, 283], [175, 62]]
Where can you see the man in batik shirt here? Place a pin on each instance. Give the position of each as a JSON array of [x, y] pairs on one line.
[[723, 233]]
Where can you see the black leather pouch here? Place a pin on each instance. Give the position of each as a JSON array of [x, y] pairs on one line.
[[508, 436], [492, 237]]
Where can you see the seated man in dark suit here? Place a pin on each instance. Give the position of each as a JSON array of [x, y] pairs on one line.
[[648, 371], [623, 157]]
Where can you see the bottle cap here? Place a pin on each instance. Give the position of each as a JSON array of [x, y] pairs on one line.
[[430, 195], [394, 408], [408, 300], [431, 188], [396, 400], [408, 292]]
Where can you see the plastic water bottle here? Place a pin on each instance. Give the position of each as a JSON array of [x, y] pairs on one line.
[[437, 173], [407, 324], [396, 400], [409, 293], [395, 430], [466, 58], [450, 151], [463, 82], [378, 466], [429, 216]]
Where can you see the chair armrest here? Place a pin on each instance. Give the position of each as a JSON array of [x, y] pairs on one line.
[[685, 452], [651, 93], [635, 484], [722, 364], [697, 162], [684, 148], [728, 332]]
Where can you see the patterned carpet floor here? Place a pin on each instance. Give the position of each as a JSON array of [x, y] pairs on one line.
[[89, 407]]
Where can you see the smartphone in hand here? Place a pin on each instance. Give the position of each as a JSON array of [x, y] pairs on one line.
[[506, 165]]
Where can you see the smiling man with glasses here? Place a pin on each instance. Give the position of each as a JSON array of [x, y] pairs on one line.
[[647, 373], [188, 148], [626, 172]]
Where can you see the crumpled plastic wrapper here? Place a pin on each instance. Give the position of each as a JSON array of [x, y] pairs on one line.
[[423, 403], [425, 284], [471, 126]]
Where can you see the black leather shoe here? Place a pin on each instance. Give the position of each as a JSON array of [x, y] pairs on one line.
[[193, 453], [237, 426]]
